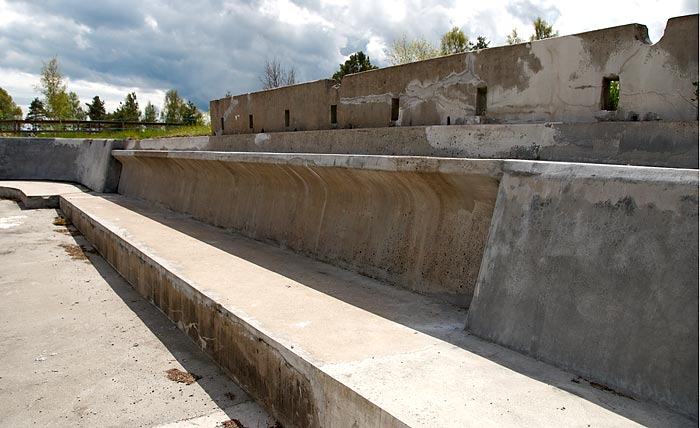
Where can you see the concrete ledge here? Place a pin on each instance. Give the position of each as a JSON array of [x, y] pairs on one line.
[[655, 143], [37, 194], [324, 347]]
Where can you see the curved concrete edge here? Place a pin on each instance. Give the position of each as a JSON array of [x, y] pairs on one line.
[[419, 223], [37, 194], [595, 269]]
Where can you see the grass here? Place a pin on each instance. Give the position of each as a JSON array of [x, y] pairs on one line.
[[133, 134]]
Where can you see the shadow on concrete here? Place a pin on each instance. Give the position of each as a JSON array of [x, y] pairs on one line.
[[438, 319], [224, 392]]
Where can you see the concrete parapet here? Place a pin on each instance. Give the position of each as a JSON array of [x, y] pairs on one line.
[[88, 162], [595, 269], [665, 144], [420, 223]]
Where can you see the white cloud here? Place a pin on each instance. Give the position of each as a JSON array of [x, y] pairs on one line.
[[111, 48]]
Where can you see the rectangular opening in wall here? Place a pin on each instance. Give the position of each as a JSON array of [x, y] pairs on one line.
[[286, 118], [222, 124], [394, 109], [334, 114], [611, 93], [250, 121], [481, 101]]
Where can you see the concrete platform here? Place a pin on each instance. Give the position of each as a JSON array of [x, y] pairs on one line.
[[80, 348], [37, 194], [320, 346]]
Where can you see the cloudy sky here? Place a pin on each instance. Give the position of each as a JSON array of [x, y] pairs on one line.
[[208, 47]]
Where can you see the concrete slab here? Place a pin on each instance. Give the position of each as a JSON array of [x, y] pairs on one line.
[[325, 347], [80, 348], [37, 194]]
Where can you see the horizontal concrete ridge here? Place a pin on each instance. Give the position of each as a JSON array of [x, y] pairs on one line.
[[323, 347], [482, 167], [37, 194], [652, 143]]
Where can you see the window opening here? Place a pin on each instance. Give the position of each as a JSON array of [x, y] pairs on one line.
[[611, 93], [250, 121], [286, 118], [334, 114], [481, 101], [394, 109]]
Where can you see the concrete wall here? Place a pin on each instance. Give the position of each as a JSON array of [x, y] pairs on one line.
[[415, 222], [308, 105], [595, 269], [559, 79], [657, 143], [88, 162]]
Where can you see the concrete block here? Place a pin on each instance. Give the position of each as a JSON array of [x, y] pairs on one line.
[[595, 269]]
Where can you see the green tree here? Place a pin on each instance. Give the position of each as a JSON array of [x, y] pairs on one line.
[[543, 30], [96, 109], [513, 38], [454, 41], [172, 107], [128, 110], [76, 111], [150, 113], [356, 63], [56, 101], [481, 43], [36, 110], [191, 114], [403, 51], [8, 108]]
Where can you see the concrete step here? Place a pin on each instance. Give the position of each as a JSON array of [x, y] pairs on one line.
[[321, 346], [37, 194]]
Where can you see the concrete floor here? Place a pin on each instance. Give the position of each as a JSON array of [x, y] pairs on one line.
[[79, 348]]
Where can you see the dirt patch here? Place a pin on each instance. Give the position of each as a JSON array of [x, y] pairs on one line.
[[600, 386], [61, 221], [183, 377], [76, 252], [231, 396]]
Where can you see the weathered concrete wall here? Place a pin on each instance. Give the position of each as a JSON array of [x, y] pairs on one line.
[[559, 79], [308, 105], [88, 162], [595, 269], [657, 143], [415, 222]]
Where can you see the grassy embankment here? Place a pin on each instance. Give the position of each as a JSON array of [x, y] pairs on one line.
[[128, 134]]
